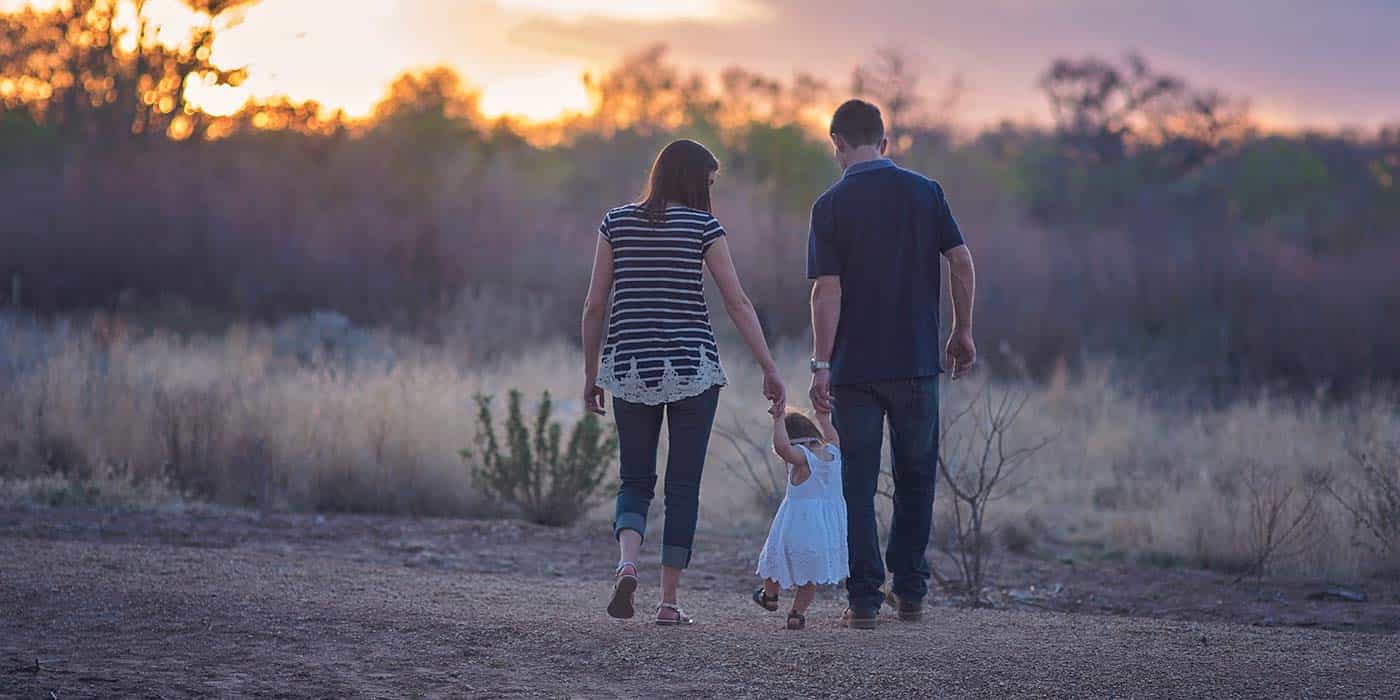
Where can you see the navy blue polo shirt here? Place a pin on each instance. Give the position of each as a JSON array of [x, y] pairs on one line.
[[882, 230]]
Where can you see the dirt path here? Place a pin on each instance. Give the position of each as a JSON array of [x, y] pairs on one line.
[[178, 606]]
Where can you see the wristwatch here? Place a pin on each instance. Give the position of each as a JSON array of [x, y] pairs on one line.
[[819, 365]]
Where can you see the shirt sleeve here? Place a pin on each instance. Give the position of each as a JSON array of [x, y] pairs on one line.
[[713, 232], [949, 235], [823, 249], [605, 228]]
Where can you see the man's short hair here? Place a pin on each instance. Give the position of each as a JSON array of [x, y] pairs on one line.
[[859, 123]]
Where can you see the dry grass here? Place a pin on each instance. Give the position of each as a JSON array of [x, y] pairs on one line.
[[317, 415]]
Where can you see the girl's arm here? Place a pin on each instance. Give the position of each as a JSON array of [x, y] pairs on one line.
[[595, 311], [828, 430], [782, 446], [741, 311]]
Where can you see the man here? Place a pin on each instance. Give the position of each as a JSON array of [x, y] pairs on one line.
[[873, 252]]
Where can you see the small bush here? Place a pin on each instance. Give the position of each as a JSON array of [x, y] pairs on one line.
[[980, 466], [549, 487], [1372, 497], [1017, 538], [1282, 516], [753, 465]]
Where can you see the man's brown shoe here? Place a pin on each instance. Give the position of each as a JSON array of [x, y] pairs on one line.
[[909, 611], [859, 620]]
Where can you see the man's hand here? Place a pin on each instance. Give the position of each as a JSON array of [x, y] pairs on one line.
[[821, 391], [962, 352]]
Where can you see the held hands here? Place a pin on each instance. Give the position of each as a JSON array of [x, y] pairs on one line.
[[962, 352]]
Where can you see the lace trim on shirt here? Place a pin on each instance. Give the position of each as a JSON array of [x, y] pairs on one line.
[[629, 385]]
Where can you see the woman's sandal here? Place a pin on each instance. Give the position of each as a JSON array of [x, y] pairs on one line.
[[680, 619], [796, 620], [763, 601], [621, 606]]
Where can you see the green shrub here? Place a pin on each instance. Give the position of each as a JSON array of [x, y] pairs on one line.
[[530, 472]]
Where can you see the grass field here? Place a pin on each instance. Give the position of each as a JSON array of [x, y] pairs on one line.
[[314, 414]]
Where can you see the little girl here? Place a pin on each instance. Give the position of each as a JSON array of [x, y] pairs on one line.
[[807, 543]]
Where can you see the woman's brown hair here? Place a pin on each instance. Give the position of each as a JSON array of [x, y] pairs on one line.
[[681, 174]]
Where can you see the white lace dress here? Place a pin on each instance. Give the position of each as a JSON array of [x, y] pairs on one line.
[[807, 543]]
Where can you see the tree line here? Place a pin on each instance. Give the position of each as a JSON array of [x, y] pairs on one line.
[[1153, 220]]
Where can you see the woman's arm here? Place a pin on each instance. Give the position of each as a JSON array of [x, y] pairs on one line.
[[595, 311], [741, 311]]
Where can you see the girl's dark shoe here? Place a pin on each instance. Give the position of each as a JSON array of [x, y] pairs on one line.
[[796, 620], [763, 601]]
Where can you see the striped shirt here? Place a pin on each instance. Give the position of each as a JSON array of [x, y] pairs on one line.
[[660, 347]]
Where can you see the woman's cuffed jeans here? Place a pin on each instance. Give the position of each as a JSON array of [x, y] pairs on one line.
[[688, 424]]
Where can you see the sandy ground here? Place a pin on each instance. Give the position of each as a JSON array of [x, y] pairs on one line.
[[201, 604]]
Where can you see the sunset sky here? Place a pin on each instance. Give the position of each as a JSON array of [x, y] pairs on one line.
[[1319, 63]]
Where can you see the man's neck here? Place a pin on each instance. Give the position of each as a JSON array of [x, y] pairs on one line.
[[864, 154]]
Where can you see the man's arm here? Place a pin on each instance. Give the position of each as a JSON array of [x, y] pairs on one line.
[[826, 314], [962, 284], [824, 267]]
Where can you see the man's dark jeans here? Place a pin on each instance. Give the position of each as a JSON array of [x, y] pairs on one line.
[[911, 405], [638, 434]]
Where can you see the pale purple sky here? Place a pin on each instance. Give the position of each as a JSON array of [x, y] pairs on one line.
[[1326, 63], [1298, 62]]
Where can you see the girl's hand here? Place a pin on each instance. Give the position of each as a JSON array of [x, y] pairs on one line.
[[776, 411], [593, 397]]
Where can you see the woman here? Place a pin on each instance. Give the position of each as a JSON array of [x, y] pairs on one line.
[[660, 358]]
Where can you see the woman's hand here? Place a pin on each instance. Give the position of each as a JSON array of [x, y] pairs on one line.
[[774, 390], [593, 397]]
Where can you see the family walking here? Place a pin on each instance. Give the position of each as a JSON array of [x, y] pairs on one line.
[[874, 251]]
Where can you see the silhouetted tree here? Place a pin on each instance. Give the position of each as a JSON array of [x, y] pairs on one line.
[[646, 94], [78, 68], [1095, 98], [895, 80]]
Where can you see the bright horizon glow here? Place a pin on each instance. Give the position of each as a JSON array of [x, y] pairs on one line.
[[526, 57], [721, 11], [537, 97]]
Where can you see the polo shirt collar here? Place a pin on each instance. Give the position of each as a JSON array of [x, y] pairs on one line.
[[867, 166]]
